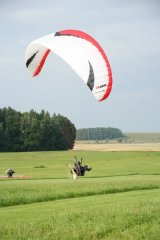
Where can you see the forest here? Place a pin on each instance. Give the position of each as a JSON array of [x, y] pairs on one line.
[[99, 133], [32, 131]]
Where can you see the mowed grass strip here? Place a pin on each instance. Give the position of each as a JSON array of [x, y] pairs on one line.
[[121, 216], [31, 191]]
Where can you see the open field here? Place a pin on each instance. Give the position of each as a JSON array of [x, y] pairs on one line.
[[119, 199], [130, 137], [143, 137], [90, 146]]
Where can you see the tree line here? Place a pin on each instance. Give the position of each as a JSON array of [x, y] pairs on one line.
[[99, 134], [32, 131]]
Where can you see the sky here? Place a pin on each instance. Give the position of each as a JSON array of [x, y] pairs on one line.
[[129, 33]]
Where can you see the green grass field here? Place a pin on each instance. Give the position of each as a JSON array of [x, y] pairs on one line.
[[118, 199]]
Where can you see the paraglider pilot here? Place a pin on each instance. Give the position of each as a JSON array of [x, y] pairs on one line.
[[79, 169]]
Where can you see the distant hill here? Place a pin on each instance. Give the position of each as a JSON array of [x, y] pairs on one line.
[[142, 137]]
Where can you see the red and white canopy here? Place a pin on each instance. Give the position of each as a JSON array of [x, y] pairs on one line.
[[82, 52]]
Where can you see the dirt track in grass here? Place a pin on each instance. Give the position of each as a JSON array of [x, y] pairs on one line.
[[15, 177]]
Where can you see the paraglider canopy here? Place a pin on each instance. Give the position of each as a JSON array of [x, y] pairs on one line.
[[82, 52]]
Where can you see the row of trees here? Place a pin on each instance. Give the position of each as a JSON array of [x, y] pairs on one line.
[[32, 131], [99, 134]]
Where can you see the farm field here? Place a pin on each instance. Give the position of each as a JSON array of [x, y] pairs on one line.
[[134, 141], [92, 146], [143, 137], [118, 199]]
